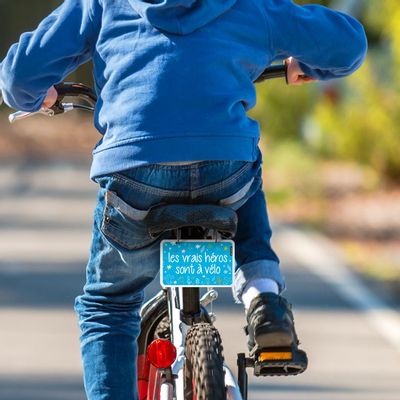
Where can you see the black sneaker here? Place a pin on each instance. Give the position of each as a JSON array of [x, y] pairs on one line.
[[270, 323]]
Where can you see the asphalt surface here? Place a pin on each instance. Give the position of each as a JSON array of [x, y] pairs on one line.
[[45, 220]]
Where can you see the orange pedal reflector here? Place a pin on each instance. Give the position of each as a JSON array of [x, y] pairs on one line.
[[275, 356]]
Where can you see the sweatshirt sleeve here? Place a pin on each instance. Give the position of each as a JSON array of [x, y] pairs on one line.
[[44, 57], [328, 44]]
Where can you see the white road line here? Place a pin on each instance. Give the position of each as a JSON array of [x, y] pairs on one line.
[[317, 254]]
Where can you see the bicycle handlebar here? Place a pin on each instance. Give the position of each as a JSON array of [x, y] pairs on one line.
[[273, 72], [76, 90], [83, 92]]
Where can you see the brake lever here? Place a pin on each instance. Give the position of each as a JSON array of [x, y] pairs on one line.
[[17, 116], [48, 112], [55, 109]]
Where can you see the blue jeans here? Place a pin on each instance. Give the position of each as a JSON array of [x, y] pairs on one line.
[[124, 259]]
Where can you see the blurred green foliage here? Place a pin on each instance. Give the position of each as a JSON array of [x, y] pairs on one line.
[[355, 119], [364, 124]]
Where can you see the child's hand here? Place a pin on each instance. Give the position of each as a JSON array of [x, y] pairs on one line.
[[295, 75], [51, 98]]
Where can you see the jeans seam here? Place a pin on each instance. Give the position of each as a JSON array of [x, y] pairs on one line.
[[125, 208], [194, 178], [223, 184], [199, 164], [149, 189]]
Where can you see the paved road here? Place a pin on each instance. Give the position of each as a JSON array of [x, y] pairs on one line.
[[45, 218]]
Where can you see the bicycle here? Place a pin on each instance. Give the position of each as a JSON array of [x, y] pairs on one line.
[[180, 354]]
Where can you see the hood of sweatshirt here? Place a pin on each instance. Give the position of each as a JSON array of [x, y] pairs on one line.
[[180, 16]]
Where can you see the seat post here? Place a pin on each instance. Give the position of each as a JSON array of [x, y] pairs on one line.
[[190, 295], [191, 301]]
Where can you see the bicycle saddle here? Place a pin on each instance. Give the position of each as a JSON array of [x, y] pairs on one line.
[[175, 216]]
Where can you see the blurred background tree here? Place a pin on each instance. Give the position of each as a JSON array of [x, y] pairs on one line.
[[364, 124], [354, 119]]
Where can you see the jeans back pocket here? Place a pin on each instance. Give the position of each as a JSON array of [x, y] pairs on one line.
[[125, 224]]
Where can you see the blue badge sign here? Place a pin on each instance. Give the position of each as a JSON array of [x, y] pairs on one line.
[[197, 263]]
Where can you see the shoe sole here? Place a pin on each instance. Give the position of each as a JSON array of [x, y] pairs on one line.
[[274, 339]]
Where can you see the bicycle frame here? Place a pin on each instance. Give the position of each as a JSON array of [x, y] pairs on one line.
[[179, 329], [183, 306], [173, 299]]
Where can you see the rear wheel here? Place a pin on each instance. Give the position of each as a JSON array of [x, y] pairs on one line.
[[163, 330], [204, 366]]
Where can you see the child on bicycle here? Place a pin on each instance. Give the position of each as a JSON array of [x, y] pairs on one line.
[[175, 82]]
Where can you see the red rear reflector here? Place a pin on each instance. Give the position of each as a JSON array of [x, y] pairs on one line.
[[161, 353]]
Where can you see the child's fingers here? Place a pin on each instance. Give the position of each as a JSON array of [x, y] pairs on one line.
[[302, 79], [308, 79], [294, 71], [51, 98], [295, 75]]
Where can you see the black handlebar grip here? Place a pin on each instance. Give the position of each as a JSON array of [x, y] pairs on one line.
[[67, 89], [273, 72]]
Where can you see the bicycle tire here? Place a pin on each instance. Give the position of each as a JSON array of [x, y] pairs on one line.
[[204, 364], [163, 329]]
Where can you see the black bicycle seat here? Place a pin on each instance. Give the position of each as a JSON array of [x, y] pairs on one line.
[[175, 216]]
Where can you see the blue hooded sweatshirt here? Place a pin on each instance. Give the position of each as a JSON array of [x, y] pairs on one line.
[[175, 77]]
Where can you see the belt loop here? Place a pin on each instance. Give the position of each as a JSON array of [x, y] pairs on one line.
[[194, 177]]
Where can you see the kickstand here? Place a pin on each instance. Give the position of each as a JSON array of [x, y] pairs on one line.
[[243, 362]]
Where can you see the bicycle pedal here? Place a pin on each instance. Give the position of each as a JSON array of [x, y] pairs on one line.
[[280, 362]]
